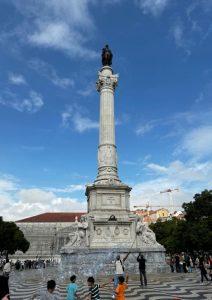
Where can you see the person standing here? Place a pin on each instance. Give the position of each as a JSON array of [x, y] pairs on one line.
[[171, 263], [7, 268], [49, 293], [177, 263], [142, 268], [120, 290], [94, 289], [119, 268], [203, 271], [72, 289]]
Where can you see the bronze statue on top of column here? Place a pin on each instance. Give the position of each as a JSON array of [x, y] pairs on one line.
[[107, 56]]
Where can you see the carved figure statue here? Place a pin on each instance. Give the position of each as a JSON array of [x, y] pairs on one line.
[[145, 234], [79, 236], [106, 56]]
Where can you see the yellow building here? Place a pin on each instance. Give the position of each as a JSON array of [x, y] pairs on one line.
[[162, 213]]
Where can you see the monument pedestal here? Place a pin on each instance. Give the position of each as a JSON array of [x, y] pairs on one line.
[[110, 222]]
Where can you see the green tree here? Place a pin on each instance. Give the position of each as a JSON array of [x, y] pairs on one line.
[[193, 233], [200, 208], [11, 238]]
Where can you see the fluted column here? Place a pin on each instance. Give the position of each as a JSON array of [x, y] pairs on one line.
[[107, 156]]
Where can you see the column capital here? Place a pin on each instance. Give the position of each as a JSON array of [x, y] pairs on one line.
[[108, 81]]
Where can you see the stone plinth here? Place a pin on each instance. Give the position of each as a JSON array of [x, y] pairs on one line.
[[107, 198], [101, 261]]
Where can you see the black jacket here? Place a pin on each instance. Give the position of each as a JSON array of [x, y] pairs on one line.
[[142, 263]]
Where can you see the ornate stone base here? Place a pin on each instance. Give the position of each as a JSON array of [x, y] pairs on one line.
[[96, 262]]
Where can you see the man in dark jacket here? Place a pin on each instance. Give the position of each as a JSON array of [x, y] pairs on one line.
[[142, 268]]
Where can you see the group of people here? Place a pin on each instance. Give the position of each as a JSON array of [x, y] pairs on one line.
[[120, 281], [31, 264], [186, 263], [93, 289]]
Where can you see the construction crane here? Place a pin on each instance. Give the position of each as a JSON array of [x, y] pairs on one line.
[[170, 191]]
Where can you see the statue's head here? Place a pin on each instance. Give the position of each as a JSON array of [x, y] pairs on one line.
[[118, 257], [106, 46], [82, 219]]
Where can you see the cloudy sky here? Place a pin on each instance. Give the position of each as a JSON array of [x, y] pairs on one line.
[[49, 109]]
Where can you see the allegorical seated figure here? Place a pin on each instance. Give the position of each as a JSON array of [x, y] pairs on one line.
[[79, 235], [145, 235]]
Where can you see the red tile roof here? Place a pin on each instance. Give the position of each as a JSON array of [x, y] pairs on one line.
[[53, 217]]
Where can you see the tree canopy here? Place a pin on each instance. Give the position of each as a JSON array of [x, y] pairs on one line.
[[11, 238], [192, 234]]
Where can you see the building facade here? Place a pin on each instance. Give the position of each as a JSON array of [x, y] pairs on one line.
[[47, 234]]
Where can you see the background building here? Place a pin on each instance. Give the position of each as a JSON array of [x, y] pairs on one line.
[[47, 233]]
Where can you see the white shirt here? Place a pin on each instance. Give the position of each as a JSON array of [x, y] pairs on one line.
[[7, 268], [119, 268]]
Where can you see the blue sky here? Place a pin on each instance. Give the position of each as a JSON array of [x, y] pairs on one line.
[[49, 108]]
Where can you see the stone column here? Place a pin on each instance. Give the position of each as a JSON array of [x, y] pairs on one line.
[[107, 156]]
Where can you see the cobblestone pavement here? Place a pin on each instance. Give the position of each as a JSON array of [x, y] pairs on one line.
[[160, 286]]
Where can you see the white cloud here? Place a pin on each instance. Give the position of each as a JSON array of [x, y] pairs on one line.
[[81, 123], [154, 7], [17, 203], [69, 189], [7, 184], [157, 168], [35, 196], [181, 40], [46, 70], [31, 104], [17, 79], [65, 25], [189, 178], [178, 34], [90, 88], [198, 142], [143, 129]]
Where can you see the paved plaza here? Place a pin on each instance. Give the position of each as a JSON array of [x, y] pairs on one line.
[[161, 286]]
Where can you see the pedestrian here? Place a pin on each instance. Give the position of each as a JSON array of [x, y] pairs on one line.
[[7, 268], [191, 265], [203, 271], [142, 268], [94, 289], [177, 263], [119, 268], [4, 287], [122, 286], [171, 263], [72, 289], [49, 293]]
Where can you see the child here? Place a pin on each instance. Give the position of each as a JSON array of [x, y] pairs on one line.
[[72, 289], [120, 290], [49, 293], [94, 289]]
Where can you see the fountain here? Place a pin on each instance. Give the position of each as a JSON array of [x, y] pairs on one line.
[[109, 227]]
